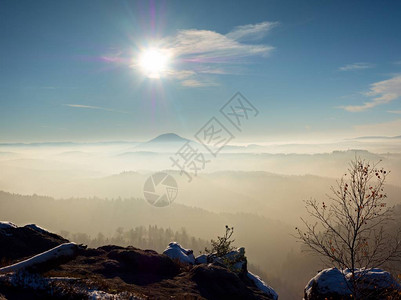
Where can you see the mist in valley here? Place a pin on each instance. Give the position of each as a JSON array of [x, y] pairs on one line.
[[94, 194]]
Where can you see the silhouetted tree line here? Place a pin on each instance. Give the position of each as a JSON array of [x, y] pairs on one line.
[[151, 237]]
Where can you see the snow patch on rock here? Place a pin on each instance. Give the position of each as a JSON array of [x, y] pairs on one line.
[[329, 281], [175, 251], [37, 228], [61, 251], [201, 259], [7, 225], [260, 284]]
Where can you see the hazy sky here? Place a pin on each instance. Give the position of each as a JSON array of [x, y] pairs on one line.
[[73, 70]]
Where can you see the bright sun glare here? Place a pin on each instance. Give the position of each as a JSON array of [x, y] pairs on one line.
[[153, 62]]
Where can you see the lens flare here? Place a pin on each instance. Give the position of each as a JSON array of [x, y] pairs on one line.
[[154, 62]]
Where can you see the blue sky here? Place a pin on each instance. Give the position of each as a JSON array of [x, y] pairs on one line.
[[316, 70]]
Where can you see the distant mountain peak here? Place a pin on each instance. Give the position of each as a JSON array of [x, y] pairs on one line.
[[168, 137]]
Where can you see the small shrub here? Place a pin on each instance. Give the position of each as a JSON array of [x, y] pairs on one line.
[[223, 244]]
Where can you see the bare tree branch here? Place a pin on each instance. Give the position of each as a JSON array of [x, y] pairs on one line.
[[350, 230]]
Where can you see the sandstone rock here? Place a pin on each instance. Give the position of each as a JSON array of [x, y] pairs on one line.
[[175, 251], [336, 284]]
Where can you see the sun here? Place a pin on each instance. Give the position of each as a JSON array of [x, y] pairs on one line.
[[153, 62]]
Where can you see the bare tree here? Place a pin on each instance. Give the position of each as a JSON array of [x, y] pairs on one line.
[[350, 228]]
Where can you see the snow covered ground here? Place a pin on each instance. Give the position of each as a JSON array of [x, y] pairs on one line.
[[36, 282]]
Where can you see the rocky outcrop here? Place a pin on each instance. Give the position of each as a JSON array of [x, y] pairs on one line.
[[235, 261], [135, 265], [113, 272], [336, 284]]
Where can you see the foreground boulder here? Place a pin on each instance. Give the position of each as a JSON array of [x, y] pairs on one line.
[[135, 265], [216, 282], [21, 242], [335, 284], [235, 261]]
